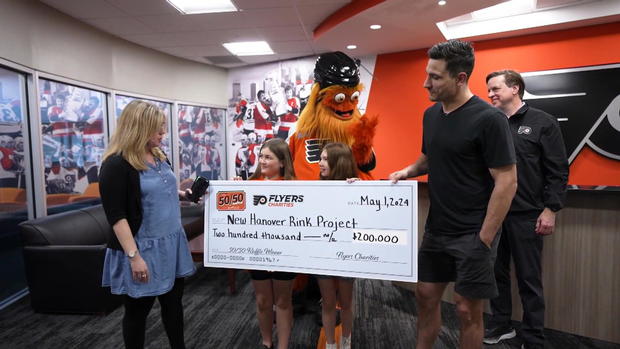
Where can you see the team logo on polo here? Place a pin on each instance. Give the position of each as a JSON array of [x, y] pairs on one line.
[[524, 130], [278, 200]]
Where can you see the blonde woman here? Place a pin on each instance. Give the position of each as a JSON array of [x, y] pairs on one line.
[[148, 254]]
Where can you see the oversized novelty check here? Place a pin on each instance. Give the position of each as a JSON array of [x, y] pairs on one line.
[[366, 229]]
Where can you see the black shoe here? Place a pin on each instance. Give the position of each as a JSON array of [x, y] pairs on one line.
[[497, 334]]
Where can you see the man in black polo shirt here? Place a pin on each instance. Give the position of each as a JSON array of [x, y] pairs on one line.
[[542, 170], [468, 154]]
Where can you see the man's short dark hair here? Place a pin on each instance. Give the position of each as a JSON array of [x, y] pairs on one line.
[[512, 78], [260, 93], [459, 56]]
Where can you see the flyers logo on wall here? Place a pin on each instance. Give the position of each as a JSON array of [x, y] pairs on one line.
[[586, 102], [230, 200]]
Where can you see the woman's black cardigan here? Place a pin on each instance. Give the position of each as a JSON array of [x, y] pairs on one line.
[[119, 187]]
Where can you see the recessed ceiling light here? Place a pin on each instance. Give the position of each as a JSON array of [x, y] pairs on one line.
[[189, 7], [375, 26], [442, 2], [249, 48], [351, 47]]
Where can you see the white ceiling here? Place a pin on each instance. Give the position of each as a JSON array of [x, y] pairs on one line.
[[287, 25]]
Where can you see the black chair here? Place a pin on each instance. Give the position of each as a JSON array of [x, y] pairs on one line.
[[63, 257], [192, 218]]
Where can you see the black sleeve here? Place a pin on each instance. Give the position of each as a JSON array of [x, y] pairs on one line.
[[113, 184], [497, 146], [424, 126], [554, 166]]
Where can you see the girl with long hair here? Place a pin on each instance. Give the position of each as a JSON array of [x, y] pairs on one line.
[[337, 163], [274, 288]]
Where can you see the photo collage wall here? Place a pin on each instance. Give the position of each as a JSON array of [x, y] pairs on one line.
[[73, 140], [12, 147], [73, 136], [201, 142]]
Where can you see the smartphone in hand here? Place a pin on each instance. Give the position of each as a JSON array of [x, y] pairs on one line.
[[199, 187]]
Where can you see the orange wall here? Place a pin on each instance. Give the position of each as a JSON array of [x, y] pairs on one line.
[[398, 97]]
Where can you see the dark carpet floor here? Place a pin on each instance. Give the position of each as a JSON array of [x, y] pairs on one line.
[[385, 318]]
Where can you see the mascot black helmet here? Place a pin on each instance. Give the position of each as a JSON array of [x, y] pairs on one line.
[[336, 68]]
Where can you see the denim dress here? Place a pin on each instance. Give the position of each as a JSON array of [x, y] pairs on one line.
[[161, 239]]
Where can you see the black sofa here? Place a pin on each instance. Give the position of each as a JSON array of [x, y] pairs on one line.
[[64, 254]]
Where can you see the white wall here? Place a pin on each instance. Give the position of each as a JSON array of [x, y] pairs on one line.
[[39, 37]]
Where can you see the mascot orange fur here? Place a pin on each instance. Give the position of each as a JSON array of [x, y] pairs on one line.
[[331, 115]]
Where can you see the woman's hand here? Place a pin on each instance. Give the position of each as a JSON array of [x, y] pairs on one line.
[[237, 178], [351, 180], [139, 270], [185, 194]]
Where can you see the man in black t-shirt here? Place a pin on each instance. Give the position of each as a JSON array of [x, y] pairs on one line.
[[542, 169], [469, 157]]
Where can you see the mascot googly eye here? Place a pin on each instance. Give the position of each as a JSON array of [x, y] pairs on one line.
[[339, 98], [355, 96]]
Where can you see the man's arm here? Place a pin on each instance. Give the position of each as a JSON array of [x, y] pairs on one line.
[[418, 168], [505, 179], [555, 171]]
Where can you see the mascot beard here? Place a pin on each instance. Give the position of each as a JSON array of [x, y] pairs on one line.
[[331, 115]]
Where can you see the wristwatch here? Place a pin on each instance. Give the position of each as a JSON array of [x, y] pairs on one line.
[[132, 254]]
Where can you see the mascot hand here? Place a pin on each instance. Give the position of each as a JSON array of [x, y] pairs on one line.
[[363, 133]]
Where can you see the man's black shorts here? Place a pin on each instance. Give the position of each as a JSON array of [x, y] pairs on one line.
[[275, 275], [464, 259]]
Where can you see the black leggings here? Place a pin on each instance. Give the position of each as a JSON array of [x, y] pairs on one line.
[[137, 309]]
